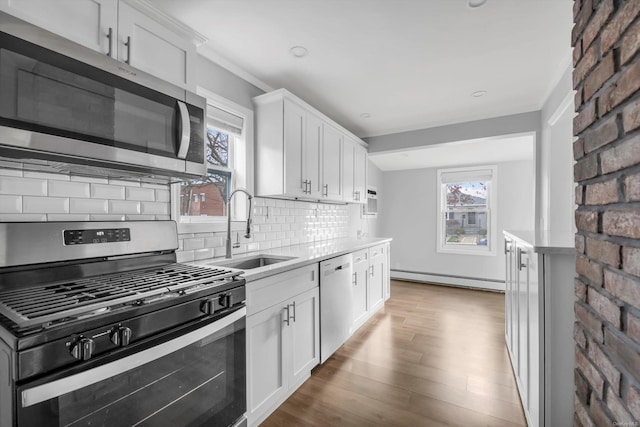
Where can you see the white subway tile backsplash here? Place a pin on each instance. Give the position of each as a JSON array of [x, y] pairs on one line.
[[203, 253], [89, 206], [44, 205], [68, 217], [46, 175], [68, 189], [90, 180], [163, 217], [134, 217], [22, 217], [107, 217], [10, 172], [124, 207], [23, 186], [124, 183], [212, 242], [103, 191], [185, 256], [195, 243], [156, 208], [142, 194], [10, 204], [163, 195]]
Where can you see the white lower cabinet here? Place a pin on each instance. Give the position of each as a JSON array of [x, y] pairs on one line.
[[538, 330], [377, 277], [360, 288], [283, 338]]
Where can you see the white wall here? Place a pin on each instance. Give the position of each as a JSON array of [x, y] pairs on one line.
[[409, 216]]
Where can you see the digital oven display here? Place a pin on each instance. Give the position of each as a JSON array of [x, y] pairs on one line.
[[85, 237]]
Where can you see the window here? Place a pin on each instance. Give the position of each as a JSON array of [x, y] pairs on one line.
[[466, 223], [229, 158]]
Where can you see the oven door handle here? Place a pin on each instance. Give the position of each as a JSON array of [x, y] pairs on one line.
[[57, 388]]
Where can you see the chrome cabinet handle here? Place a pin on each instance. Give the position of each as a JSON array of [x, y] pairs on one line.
[[286, 318], [354, 279], [294, 311], [506, 243], [372, 270], [128, 45], [326, 190], [185, 130], [110, 38], [309, 187], [519, 256], [304, 186]]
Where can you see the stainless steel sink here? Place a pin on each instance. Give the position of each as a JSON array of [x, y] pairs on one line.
[[249, 263]]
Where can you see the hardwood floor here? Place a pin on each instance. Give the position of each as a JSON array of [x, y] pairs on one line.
[[434, 356]]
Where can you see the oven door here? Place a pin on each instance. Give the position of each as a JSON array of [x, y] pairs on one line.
[[194, 379]]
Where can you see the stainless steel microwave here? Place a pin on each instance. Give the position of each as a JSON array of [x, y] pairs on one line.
[[69, 109]]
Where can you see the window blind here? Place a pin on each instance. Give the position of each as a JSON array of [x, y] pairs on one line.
[[466, 176], [224, 120]]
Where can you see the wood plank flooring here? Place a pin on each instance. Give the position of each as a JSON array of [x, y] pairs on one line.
[[434, 356]]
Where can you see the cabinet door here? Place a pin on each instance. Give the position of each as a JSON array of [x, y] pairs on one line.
[[153, 48], [267, 359], [294, 133], [86, 22], [331, 163], [507, 293], [360, 174], [536, 346], [311, 156], [348, 171], [305, 335], [377, 263], [523, 321], [360, 291]]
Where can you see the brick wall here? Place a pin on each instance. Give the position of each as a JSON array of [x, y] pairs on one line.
[[606, 41]]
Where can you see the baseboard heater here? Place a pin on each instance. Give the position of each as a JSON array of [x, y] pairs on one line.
[[449, 279]]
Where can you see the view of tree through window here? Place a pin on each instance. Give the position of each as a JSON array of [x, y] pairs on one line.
[[214, 188], [466, 214]]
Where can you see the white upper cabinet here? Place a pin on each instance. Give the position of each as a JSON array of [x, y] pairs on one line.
[[302, 154], [117, 29]]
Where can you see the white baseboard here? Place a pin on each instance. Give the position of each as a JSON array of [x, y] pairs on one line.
[[441, 279]]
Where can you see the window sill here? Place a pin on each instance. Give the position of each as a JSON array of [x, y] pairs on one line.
[[452, 251]]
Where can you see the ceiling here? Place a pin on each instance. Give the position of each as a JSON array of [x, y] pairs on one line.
[[409, 64], [459, 153]]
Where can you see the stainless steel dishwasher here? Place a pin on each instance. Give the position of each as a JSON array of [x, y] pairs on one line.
[[336, 304]]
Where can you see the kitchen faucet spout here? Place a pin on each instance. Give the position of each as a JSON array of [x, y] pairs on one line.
[[248, 231]]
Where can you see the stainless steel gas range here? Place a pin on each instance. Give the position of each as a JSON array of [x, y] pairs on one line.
[[100, 326]]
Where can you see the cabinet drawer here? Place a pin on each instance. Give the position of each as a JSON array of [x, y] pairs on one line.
[[376, 251], [360, 256], [272, 290]]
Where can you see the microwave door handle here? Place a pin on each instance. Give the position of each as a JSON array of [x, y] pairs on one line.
[[57, 388], [185, 130]]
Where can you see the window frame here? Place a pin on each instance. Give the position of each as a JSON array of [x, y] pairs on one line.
[[491, 209], [242, 177]]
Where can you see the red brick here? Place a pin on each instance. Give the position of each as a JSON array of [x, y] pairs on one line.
[[598, 76], [580, 290], [621, 20], [579, 194], [582, 414], [627, 84], [633, 329], [578, 149], [632, 188], [577, 6], [601, 135], [590, 373], [580, 243], [579, 336], [597, 21], [589, 269], [581, 20], [633, 401], [630, 43], [599, 414], [631, 260], [623, 287], [589, 321], [604, 251], [577, 52], [619, 412], [622, 223], [582, 386], [604, 104], [585, 168], [602, 193], [621, 156], [578, 100], [631, 115], [587, 221], [603, 363], [606, 308], [584, 118], [587, 62]]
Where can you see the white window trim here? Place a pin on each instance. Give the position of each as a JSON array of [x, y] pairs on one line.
[[490, 249], [216, 224]]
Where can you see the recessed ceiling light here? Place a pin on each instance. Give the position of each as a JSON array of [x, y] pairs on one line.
[[299, 51], [475, 3], [479, 93], [365, 115]]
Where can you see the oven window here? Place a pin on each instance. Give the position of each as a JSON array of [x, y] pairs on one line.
[[201, 384]]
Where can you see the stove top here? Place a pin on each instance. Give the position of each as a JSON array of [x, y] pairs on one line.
[[53, 303]]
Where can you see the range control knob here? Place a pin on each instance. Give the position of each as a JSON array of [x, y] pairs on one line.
[[83, 348], [121, 336]]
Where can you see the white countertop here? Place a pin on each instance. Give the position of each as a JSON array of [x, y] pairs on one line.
[[304, 254], [545, 241]]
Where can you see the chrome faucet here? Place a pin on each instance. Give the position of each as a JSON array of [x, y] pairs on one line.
[[248, 233]]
